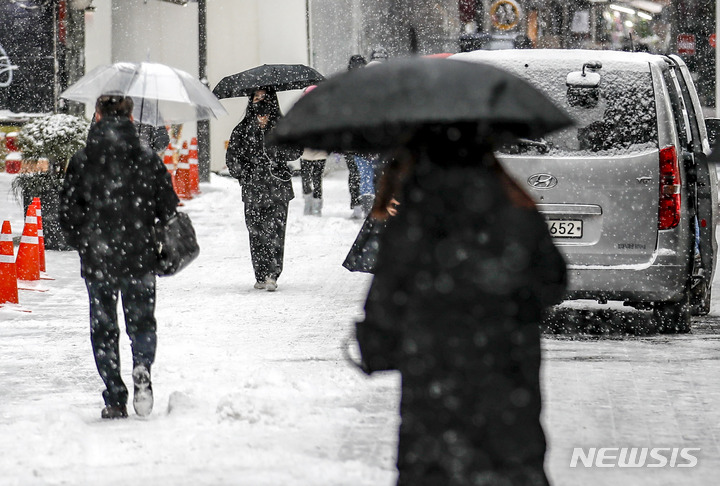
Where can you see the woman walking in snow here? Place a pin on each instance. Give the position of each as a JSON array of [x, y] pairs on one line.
[[266, 183], [464, 272]]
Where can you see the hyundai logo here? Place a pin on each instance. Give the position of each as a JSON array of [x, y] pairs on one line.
[[542, 181]]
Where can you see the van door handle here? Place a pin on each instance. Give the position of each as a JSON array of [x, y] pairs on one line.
[[644, 179]]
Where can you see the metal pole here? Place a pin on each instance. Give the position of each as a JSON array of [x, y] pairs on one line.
[[717, 58], [203, 126], [309, 34]]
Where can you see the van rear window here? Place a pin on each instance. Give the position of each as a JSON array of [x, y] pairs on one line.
[[617, 118]]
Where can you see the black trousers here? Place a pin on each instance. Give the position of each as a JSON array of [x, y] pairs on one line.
[[311, 172], [353, 180], [266, 226], [138, 303]]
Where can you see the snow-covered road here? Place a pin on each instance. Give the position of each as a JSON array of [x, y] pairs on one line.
[[252, 388]]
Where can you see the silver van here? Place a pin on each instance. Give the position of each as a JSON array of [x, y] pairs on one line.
[[627, 193]]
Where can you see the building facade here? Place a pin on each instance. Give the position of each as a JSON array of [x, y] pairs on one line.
[[51, 43]]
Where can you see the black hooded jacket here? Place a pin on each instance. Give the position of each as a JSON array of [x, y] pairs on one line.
[[262, 169], [114, 190]]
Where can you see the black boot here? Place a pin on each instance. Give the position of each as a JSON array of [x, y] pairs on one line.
[[114, 412]]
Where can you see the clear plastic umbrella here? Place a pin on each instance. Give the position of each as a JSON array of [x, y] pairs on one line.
[[162, 94]]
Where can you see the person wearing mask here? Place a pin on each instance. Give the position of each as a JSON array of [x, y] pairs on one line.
[[114, 191], [265, 178]]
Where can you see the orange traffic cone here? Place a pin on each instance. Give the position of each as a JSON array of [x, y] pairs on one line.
[[8, 272], [183, 174], [28, 257], [169, 162], [41, 235], [194, 169]]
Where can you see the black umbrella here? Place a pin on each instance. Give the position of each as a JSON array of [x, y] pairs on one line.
[[375, 107], [278, 77]]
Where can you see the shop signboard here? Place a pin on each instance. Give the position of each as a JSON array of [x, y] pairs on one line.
[[27, 60], [505, 14], [686, 44]]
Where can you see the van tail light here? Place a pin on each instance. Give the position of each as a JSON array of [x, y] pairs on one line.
[[669, 203]]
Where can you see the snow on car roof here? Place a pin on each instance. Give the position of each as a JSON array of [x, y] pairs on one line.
[[616, 60]]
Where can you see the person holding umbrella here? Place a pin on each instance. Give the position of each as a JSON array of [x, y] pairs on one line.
[[465, 268], [262, 170], [266, 183], [463, 303], [114, 191]]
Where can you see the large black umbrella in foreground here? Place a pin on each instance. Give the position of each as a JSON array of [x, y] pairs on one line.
[[375, 107], [278, 77]]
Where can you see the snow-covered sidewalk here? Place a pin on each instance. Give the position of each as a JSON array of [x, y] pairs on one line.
[[252, 388]]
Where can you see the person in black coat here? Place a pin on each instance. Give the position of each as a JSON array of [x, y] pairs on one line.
[[265, 178], [464, 273], [356, 61], [114, 191]]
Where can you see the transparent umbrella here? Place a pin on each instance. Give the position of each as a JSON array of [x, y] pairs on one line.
[[162, 94]]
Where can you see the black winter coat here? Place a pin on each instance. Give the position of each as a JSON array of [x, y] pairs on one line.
[[462, 278], [262, 170], [114, 191]]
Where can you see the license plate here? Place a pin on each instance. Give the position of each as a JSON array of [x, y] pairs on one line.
[[565, 228]]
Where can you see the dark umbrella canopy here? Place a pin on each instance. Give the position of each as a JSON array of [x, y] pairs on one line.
[[278, 77], [374, 107]]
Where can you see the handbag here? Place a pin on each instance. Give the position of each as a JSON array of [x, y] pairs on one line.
[[176, 245], [362, 256]]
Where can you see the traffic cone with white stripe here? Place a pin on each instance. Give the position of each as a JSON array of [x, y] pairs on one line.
[[28, 257], [169, 162], [8, 272], [194, 169], [41, 235], [183, 173]]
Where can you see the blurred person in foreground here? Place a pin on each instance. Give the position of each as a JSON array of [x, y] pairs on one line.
[[114, 191], [265, 177], [464, 273]]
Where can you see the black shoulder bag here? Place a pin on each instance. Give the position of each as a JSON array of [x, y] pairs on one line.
[[175, 244]]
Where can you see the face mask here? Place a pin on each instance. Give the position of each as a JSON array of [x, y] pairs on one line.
[[262, 108]]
